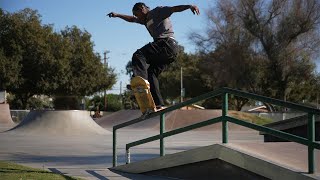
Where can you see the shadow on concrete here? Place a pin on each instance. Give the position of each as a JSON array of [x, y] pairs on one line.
[[55, 170], [138, 176], [97, 175], [103, 160]]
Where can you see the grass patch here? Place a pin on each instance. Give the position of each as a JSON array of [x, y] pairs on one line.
[[10, 171], [250, 117]]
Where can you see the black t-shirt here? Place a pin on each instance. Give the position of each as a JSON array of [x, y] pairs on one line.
[[158, 22]]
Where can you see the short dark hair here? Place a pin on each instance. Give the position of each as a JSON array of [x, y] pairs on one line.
[[139, 5]]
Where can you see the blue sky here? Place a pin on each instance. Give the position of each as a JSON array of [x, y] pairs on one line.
[[121, 38]]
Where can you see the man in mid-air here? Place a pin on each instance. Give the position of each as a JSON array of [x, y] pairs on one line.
[[162, 51]]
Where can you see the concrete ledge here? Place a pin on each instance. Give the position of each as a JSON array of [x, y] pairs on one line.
[[225, 153], [297, 126], [291, 123]]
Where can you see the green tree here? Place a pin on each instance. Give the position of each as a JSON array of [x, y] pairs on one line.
[[97, 103], [35, 102], [47, 62], [24, 43], [193, 82], [9, 67], [86, 75], [288, 35], [129, 101], [113, 102], [264, 47], [227, 57]]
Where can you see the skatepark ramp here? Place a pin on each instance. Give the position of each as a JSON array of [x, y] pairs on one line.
[[123, 116], [175, 119], [309, 142], [5, 117], [58, 123]]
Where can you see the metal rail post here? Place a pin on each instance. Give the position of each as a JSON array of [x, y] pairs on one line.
[[128, 158], [311, 138], [224, 120], [162, 130], [114, 146]]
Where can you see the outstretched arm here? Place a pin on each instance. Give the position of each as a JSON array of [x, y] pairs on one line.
[[124, 17], [193, 8]]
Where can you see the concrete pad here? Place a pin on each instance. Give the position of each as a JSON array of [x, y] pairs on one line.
[[76, 155], [62, 123], [90, 156], [81, 156], [102, 174]]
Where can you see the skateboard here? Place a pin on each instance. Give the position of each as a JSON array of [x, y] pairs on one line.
[[141, 91]]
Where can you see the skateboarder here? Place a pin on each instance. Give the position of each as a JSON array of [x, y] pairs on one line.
[[162, 51]]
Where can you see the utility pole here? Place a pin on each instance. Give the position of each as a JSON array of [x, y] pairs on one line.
[[106, 67], [121, 96], [5, 97], [105, 63], [318, 101], [182, 89]]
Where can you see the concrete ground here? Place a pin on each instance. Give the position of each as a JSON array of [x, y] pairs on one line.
[[90, 157], [78, 149]]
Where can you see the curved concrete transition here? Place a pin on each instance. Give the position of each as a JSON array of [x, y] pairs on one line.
[[5, 117], [181, 118], [175, 119], [64, 123], [122, 116]]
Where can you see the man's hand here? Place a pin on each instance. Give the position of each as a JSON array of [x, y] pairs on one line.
[[194, 9], [122, 16], [112, 14]]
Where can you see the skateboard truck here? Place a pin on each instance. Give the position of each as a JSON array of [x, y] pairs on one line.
[[147, 113]]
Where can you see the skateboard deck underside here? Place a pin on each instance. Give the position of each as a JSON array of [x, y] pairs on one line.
[[141, 91]]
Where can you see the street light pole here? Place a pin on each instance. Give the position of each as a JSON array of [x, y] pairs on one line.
[[105, 63], [105, 66], [318, 101], [181, 80]]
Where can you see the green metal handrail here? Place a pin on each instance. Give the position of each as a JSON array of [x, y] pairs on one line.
[[310, 141]]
